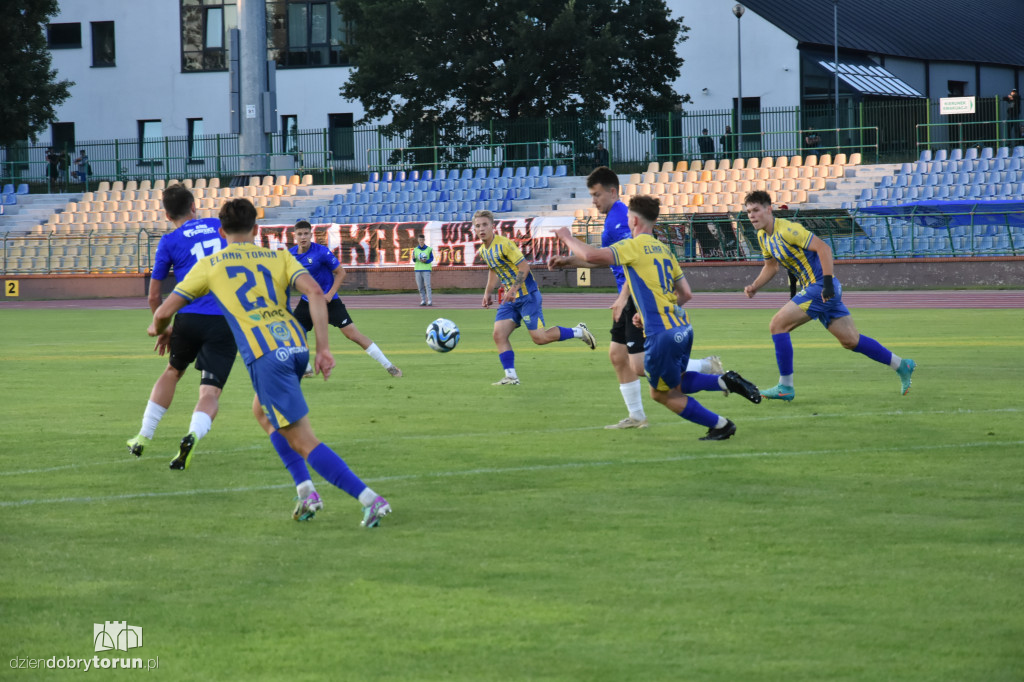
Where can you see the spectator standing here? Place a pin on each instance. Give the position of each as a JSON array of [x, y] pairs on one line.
[[82, 167], [706, 145], [728, 141], [600, 156]]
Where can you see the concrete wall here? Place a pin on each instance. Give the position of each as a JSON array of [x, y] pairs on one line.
[[918, 273]]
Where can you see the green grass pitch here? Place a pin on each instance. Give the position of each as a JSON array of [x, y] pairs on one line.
[[854, 534]]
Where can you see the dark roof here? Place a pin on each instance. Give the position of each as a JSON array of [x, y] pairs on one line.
[[990, 31]]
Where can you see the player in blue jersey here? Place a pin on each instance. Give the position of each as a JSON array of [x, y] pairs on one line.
[[199, 334], [324, 267], [787, 244], [659, 289], [520, 301], [251, 284], [626, 350]]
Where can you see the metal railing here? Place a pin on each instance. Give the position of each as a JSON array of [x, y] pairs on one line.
[[862, 140], [966, 134], [544, 153]]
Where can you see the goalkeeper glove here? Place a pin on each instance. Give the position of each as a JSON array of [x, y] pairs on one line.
[[828, 291]]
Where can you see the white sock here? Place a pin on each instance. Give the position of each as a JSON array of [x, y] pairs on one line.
[[895, 361], [700, 366], [631, 393], [721, 384], [200, 425], [511, 373], [305, 489], [367, 497], [722, 421], [151, 418], [377, 355], [786, 380], [577, 333]]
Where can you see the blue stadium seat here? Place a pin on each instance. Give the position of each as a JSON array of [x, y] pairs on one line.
[[441, 174], [1003, 153], [1018, 152], [399, 176], [534, 172], [561, 171], [413, 175], [926, 155], [901, 181], [494, 173], [906, 169], [940, 155], [987, 153], [506, 172], [22, 188], [956, 155], [10, 199], [521, 172], [506, 206], [971, 153], [427, 175], [547, 171], [318, 212], [886, 181], [373, 177], [387, 176], [8, 189], [467, 174], [480, 173]]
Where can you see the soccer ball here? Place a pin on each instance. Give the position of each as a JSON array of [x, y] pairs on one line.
[[442, 335]]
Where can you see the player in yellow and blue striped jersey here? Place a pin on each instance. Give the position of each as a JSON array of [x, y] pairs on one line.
[[789, 245], [521, 300], [659, 290], [251, 285]]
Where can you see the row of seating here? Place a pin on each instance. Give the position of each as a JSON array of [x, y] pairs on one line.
[[890, 196], [10, 189], [957, 154], [491, 172], [449, 184], [840, 159], [201, 183]]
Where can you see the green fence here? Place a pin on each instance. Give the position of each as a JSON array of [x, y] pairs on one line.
[[882, 130]]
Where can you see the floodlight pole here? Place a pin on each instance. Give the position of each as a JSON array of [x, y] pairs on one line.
[[835, 41], [738, 10]]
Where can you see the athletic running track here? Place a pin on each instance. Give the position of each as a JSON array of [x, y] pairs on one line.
[[713, 300]]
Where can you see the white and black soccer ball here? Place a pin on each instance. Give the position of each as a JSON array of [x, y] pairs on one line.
[[442, 335]]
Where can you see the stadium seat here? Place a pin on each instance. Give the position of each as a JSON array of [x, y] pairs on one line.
[[547, 171], [534, 172], [479, 174], [521, 172], [22, 188], [940, 155], [8, 189], [926, 155], [987, 153]]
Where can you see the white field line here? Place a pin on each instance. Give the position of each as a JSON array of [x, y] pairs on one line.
[[430, 436], [525, 469]]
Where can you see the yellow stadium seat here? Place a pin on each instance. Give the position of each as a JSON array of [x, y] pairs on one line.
[[825, 160], [710, 165], [695, 165], [131, 186], [682, 166], [652, 167], [811, 160], [753, 162], [855, 159], [768, 162], [159, 185]]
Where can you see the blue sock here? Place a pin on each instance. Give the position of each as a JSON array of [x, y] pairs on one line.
[[874, 350], [783, 353], [564, 333], [508, 359], [334, 470], [292, 460], [698, 414], [694, 382]]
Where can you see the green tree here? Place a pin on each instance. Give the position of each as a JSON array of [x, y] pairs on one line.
[[434, 66], [29, 91]]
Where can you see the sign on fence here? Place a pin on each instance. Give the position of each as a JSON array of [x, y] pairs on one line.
[[391, 244], [956, 105]]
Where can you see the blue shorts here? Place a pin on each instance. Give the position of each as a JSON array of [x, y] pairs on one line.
[[665, 356], [275, 376], [809, 300], [528, 309]]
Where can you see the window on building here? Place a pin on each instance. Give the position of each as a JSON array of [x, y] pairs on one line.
[[289, 134], [341, 136], [305, 33], [103, 53], [956, 88], [63, 36], [195, 140], [204, 30], [151, 148], [62, 135]]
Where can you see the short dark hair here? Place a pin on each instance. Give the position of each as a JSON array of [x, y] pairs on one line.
[[646, 206], [421, 236], [604, 176], [303, 225], [237, 216], [758, 196], [178, 201]]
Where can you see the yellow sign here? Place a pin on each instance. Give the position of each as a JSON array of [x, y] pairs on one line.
[[583, 277], [11, 287]]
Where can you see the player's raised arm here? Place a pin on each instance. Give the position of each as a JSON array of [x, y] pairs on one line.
[[324, 361]]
